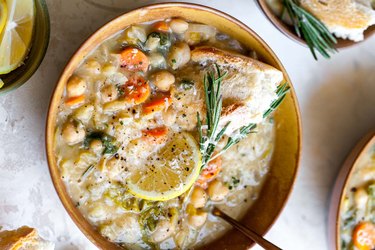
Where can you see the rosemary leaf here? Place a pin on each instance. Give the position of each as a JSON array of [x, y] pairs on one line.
[[311, 29]]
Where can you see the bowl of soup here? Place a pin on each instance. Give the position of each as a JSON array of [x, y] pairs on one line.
[[161, 114], [351, 218]]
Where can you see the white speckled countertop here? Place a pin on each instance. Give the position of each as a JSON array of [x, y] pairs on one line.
[[337, 100]]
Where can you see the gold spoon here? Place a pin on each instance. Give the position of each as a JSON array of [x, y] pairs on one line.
[[246, 231]]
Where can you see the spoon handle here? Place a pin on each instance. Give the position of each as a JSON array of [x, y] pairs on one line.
[[246, 231]]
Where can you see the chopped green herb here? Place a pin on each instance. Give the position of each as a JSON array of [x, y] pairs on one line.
[[173, 61], [149, 218], [108, 141], [120, 89], [87, 171], [164, 42], [235, 181]]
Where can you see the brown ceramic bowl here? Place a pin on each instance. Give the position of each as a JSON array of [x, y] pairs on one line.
[[288, 134], [289, 30], [341, 184]]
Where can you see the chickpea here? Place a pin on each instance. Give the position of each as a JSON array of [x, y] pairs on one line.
[[73, 134], [113, 167], [76, 86], [92, 67], [198, 197], [109, 93], [162, 79], [197, 219], [169, 116], [217, 190], [163, 230], [96, 146], [179, 55], [178, 26], [360, 198], [108, 69], [84, 113]]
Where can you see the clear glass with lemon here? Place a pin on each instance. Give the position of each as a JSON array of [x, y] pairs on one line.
[[24, 35]]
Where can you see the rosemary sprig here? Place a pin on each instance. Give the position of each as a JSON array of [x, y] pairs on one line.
[[281, 91], [209, 135], [311, 29], [207, 141]]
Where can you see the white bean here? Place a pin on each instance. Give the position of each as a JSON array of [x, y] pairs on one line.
[[179, 26], [360, 198], [198, 197], [162, 80], [217, 190], [76, 86], [84, 113], [164, 230], [197, 219], [97, 212], [179, 55], [72, 134]]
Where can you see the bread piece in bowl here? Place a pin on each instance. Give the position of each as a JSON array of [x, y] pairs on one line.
[[248, 89]]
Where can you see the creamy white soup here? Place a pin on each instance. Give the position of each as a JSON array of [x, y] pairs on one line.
[[127, 143]]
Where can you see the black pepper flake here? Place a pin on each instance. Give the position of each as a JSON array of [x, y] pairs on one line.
[[117, 156]]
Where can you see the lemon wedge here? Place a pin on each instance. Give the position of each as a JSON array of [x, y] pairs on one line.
[[17, 34], [170, 172], [3, 15]]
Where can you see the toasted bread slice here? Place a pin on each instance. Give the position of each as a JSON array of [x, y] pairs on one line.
[[248, 88], [24, 238], [346, 19]]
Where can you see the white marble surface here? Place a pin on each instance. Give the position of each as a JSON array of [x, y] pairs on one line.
[[337, 100]]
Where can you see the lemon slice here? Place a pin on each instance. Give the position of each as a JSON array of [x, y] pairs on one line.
[[168, 173], [17, 34], [3, 15]]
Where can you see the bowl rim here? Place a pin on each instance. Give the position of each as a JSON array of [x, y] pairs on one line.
[[220, 13], [41, 5], [341, 184], [284, 28]]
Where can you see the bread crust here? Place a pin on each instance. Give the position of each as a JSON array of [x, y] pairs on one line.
[[15, 239]]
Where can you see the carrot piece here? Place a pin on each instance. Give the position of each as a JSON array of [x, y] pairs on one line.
[[209, 173], [134, 59], [157, 104], [136, 90], [75, 100], [156, 135], [364, 236], [161, 26]]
